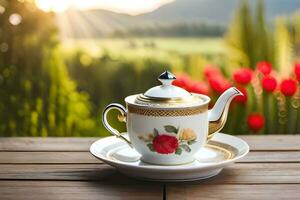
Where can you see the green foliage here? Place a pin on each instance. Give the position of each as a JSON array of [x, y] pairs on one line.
[[108, 80], [283, 48], [46, 92], [240, 37], [112, 79], [296, 41], [37, 96], [173, 30], [248, 38], [263, 42]]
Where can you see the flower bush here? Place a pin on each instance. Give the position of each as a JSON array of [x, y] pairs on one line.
[[288, 87], [270, 103], [256, 121], [269, 83]]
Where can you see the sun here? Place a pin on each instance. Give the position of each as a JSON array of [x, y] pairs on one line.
[[53, 5]]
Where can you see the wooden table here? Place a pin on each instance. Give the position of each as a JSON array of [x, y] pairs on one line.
[[63, 168]]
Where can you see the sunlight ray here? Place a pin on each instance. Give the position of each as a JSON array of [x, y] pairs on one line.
[[64, 25]]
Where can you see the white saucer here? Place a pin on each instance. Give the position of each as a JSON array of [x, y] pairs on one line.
[[221, 151]]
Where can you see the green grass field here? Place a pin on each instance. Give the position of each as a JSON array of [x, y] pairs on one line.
[[148, 47]]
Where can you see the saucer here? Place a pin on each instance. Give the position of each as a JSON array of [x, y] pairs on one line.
[[219, 152]]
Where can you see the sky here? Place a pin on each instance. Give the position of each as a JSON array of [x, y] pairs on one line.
[[132, 7]]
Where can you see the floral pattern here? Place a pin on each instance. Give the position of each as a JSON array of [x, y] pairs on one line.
[[173, 140]]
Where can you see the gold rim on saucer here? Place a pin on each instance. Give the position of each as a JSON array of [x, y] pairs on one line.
[[229, 151]]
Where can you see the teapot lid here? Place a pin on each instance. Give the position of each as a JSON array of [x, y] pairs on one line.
[[167, 94], [166, 90]]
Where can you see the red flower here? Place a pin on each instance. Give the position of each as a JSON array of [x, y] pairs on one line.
[[242, 76], [242, 99], [256, 121], [182, 81], [297, 70], [288, 87], [165, 144], [211, 70], [219, 84], [199, 88], [264, 67], [269, 83]]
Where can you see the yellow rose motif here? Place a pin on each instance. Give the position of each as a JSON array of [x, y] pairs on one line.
[[187, 134]]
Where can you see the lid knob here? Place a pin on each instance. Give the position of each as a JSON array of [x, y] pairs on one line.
[[166, 90], [166, 78]]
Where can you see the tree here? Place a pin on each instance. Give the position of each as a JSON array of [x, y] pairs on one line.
[[284, 54], [38, 98], [240, 36], [248, 38], [263, 39], [296, 38]]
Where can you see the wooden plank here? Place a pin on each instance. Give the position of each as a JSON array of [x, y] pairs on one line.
[[279, 191], [74, 172], [46, 144], [272, 142], [256, 142], [262, 173], [271, 157], [87, 158], [48, 158], [237, 173], [65, 190]]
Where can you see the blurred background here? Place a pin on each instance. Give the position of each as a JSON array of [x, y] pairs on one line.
[[62, 61]]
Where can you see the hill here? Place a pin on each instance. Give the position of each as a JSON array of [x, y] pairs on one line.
[[215, 11], [191, 15]]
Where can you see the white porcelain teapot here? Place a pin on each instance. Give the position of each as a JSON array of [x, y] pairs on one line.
[[167, 125]]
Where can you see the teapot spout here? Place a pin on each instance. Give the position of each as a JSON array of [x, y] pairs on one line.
[[217, 116]]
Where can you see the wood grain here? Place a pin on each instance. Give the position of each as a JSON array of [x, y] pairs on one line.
[[232, 192], [257, 143], [271, 157], [236, 173], [46, 144], [65, 190], [48, 157], [272, 142]]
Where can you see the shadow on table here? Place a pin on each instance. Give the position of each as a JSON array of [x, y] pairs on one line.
[[109, 175], [222, 177]]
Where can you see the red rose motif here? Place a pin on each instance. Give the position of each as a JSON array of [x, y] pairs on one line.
[[297, 70], [199, 88], [256, 121], [211, 70], [182, 81], [264, 67], [242, 99], [219, 83], [165, 144], [288, 87], [269, 83], [242, 76]]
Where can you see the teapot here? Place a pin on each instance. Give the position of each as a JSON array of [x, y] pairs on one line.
[[166, 124]]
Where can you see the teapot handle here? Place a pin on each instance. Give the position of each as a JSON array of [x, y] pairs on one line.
[[121, 118]]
